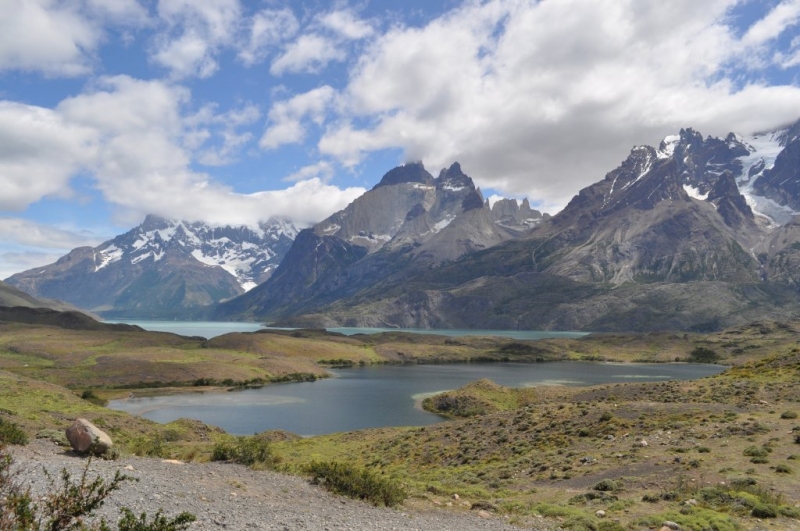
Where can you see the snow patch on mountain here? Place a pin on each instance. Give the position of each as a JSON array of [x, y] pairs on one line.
[[248, 254], [764, 149], [695, 193]]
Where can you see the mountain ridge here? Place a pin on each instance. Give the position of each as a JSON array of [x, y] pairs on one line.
[[676, 237], [162, 268]]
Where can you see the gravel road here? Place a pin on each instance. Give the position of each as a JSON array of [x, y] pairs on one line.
[[228, 496]]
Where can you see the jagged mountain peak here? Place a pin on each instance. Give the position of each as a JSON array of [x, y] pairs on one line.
[[412, 172]]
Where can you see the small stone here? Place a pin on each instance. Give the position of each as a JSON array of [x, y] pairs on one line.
[[172, 461], [669, 525], [600, 514], [643, 443], [129, 467], [484, 514], [456, 497]]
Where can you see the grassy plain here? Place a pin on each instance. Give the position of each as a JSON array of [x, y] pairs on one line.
[[717, 453]]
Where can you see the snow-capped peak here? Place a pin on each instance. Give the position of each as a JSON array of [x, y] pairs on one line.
[[250, 255]]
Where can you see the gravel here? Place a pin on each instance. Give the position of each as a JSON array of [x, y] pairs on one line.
[[229, 496]]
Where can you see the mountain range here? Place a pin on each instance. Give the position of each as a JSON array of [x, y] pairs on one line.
[[695, 233], [162, 268]]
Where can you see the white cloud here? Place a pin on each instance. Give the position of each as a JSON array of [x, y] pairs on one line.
[[286, 117], [131, 137], [309, 53], [29, 233], [39, 153], [322, 170], [267, 28], [27, 244], [196, 30], [782, 16], [17, 261], [60, 38], [54, 38], [539, 99], [346, 24]]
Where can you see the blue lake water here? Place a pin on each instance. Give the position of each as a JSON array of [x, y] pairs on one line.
[[209, 329], [387, 395]]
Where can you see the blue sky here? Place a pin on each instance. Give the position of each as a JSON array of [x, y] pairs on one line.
[[232, 111]]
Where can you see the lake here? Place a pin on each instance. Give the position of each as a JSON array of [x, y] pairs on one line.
[[383, 395], [209, 329]]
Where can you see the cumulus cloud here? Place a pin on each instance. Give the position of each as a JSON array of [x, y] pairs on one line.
[[196, 31], [346, 23], [135, 141], [267, 28], [323, 170], [539, 99], [60, 38], [27, 244], [35, 35], [286, 118], [309, 53], [39, 153], [326, 39]]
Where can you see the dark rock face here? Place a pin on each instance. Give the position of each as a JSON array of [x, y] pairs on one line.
[[409, 222], [414, 172], [667, 240], [162, 269], [781, 183]]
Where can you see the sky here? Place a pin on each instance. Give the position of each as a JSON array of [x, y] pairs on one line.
[[233, 111]]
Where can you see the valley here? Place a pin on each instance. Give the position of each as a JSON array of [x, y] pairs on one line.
[[641, 453]]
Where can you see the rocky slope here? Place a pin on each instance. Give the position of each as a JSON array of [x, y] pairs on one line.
[[409, 222], [681, 236], [162, 268], [13, 297], [227, 496]]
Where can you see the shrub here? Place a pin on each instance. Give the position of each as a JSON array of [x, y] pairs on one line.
[[789, 415], [129, 522], [783, 469], [90, 396], [359, 483], [703, 355], [756, 451], [10, 433], [764, 511], [248, 451], [66, 507], [607, 485]]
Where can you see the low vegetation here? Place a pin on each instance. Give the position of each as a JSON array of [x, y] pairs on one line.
[[70, 504], [716, 453], [360, 483]]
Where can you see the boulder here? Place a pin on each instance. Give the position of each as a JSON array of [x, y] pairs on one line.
[[85, 437]]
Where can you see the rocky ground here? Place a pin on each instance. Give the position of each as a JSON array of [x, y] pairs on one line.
[[228, 496]]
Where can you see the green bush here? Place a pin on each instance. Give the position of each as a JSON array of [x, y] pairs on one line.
[[129, 522], [764, 511], [68, 506], [756, 451], [359, 483], [783, 469], [10, 433], [607, 485], [250, 451], [703, 355]]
